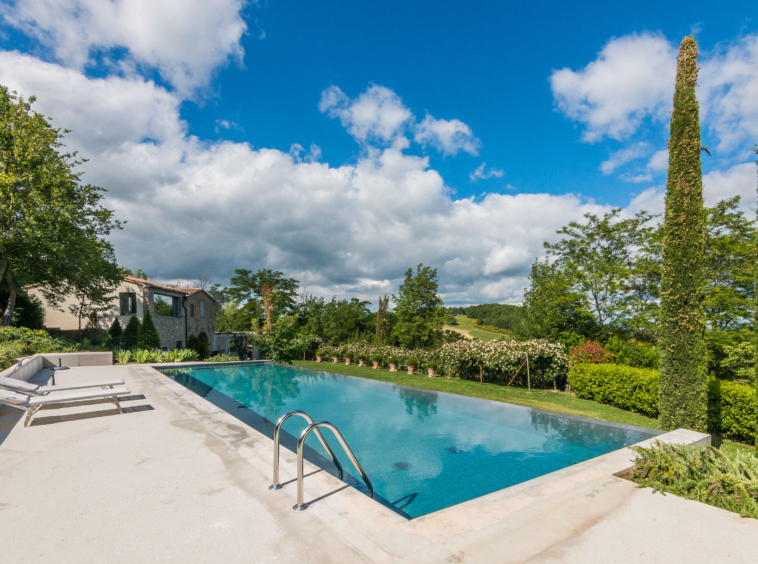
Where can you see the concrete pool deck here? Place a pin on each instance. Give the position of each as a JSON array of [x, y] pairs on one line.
[[176, 479]]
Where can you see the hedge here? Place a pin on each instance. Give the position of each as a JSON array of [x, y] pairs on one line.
[[732, 409], [731, 406], [632, 389]]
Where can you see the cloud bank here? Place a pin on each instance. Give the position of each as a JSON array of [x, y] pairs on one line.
[[194, 205]]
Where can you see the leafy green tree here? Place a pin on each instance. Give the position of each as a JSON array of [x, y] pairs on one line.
[[419, 311], [48, 219], [729, 264], [267, 294], [683, 386], [28, 311], [148, 335], [729, 293], [231, 317], [553, 306], [600, 259], [337, 321], [279, 343], [93, 285], [131, 336]]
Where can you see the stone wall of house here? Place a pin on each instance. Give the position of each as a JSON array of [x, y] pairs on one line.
[[172, 329], [205, 323]]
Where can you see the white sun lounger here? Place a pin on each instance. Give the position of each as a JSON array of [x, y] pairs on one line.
[[32, 404], [35, 390]]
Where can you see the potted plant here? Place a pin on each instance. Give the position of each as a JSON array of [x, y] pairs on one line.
[[361, 360], [335, 358], [375, 360], [319, 356], [393, 364], [412, 364], [348, 358], [431, 368]]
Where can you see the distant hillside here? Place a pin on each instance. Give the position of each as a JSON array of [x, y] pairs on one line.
[[497, 315]]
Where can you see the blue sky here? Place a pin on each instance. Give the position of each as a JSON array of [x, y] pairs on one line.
[[192, 115]]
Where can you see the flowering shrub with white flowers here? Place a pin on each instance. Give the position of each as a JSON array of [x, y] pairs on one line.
[[497, 360]]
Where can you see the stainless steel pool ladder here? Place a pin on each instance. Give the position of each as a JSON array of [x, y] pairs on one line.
[[301, 505]]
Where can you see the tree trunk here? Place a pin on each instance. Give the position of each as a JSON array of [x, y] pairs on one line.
[[3, 266], [8, 315]]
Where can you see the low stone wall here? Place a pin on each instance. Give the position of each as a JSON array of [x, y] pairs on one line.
[[25, 369], [78, 359], [28, 367]]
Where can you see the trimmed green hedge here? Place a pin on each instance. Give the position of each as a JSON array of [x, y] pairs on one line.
[[731, 409], [731, 406], [632, 389]]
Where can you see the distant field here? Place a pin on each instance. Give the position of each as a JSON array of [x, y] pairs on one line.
[[466, 327]]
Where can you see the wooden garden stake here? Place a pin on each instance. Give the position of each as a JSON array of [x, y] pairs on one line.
[[528, 378]]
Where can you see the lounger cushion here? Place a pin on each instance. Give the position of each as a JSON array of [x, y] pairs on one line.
[[13, 397], [18, 384], [61, 397]]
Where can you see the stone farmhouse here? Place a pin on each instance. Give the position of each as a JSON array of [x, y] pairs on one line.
[[178, 313]]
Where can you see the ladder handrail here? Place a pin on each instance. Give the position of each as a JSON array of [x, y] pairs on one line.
[[301, 505], [276, 485]]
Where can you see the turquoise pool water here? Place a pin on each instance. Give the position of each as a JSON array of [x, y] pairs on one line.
[[423, 451]]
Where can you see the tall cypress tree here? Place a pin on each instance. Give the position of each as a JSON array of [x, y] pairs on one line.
[[130, 337], [148, 335], [683, 381], [755, 326]]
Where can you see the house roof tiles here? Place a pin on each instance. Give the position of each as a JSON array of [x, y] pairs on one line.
[[150, 284]]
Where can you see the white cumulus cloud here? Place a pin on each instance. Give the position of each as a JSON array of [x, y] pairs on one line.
[[624, 156], [376, 115], [184, 40], [632, 78], [482, 172], [194, 206], [729, 92], [447, 136]]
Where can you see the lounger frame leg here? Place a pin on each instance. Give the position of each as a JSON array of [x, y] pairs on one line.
[[29, 412], [114, 399]]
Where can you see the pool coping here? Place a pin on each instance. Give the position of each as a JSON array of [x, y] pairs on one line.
[[564, 501]]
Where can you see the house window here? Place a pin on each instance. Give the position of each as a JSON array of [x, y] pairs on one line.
[[192, 310], [178, 344], [166, 306], [128, 303], [202, 308]]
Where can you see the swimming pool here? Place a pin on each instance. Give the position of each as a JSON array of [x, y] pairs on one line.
[[423, 450]]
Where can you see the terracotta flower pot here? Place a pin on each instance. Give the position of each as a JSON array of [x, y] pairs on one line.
[[375, 363], [348, 361], [361, 362], [335, 359], [431, 372], [319, 359], [393, 367], [411, 370]]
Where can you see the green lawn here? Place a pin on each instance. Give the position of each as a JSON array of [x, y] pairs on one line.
[[559, 402], [466, 324]]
